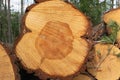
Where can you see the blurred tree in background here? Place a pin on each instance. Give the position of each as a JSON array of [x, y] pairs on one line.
[[10, 19], [95, 8]]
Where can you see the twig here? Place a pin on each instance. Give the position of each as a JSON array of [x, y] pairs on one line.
[[101, 61]]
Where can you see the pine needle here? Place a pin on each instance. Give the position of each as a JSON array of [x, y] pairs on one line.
[[111, 38]]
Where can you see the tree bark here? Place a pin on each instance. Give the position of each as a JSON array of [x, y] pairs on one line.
[[118, 3], [51, 43], [9, 23], [22, 8], [21, 15], [112, 4]]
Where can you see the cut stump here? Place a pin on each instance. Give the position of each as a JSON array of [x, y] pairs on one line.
[[7, 70], [51, 42]]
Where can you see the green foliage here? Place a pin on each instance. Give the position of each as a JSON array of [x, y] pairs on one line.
[[15, 23], [92, 8], [4, 25], [111, 38]]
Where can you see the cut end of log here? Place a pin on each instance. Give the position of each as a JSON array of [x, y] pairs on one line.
[[55, 40], [6, 66], [106, 63], [118, 38], [54, 46], [113, 15], [82, 77]]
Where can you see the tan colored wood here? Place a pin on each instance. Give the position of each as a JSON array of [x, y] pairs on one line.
[[118, 38], [38, 1], [113, 15], [82, 77], [105, 64], [52, 41], [6, 68]]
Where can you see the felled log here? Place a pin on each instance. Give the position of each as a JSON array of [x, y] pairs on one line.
[[51, 42], [113, 15], [82, 77], [106, 62], [38, 1], [7, 69], [106, 57]]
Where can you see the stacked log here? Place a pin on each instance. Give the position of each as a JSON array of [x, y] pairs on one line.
[[51, 42], [8, 70], [57, 42], [106, 61]]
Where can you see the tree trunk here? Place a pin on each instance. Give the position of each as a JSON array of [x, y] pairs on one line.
[[1, 5], [7, 69], [105, 5], [21, 15], [22, 7], [51, 43], [112, 4], [9, 23], [118, 3], [5, 34]]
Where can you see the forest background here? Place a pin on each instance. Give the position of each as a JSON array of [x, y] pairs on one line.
[[12, 11]]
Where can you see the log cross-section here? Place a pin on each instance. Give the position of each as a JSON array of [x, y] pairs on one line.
[[106, 60], [7, 70], [55, 40], [113, 15], [51, 43], [105, 65]]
